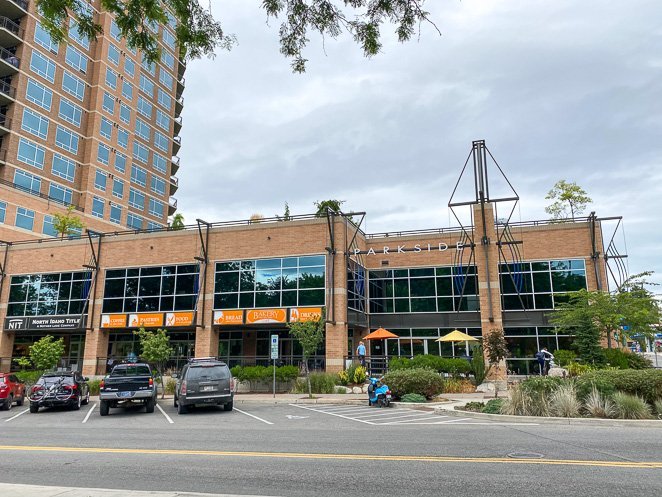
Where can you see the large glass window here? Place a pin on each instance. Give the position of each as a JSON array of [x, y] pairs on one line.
[[114, 54], [138, 175], [42, 65], [125, 113], [70, 112], [160, 163], [146, 86], [63, 167], [169, 39], [356, 286], [106, 128], [48, 227], [140, 152], [152, 289], [115, 213], [49, 294], [281, 282], [164, 99], [67, 140], [39, 94], [100, 179], [77, 36], [24, 218], [118, 188], [158, 185], [103, 154], [156, 207], [27, 181], [76, 59], [42, 38], [111, 78], [3, 211], [143, 130], [129, 67], [108, 103], [120, 162], [162, 120], [134, 221], [127, 90], [122, 137], [144, 107], [60, 193], [31, 153], [34, 123], [98, 205], [136, 199], [166, 79], [161, 141], [72, 85]]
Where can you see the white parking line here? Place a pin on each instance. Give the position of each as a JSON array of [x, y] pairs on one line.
[[402, 416], [164, 413], [253, 416], [373, 414], [87, 416], [14, 417], [453, 421], [343, 410], [331, 414]]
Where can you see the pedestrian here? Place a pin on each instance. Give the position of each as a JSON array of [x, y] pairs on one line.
[[110, 362], [360, 351], [543, 356]]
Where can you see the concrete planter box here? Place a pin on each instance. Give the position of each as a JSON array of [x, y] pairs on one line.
[[264, 386]]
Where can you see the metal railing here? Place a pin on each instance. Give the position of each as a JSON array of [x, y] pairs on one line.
[[37, 194], [9, 57], [5, 122], [172, 202], [7, 89], [11, 26], [175, 160], [177, 139], [174, 180], [21, 3]]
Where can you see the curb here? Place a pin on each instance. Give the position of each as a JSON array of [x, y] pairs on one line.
[[623, 423]]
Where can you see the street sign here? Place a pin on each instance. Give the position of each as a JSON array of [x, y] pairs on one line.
[[274, 346]]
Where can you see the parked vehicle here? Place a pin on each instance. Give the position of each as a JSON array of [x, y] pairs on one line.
[[11, 390], [127, 384], [60, 389], [204, 381], [378, 394]]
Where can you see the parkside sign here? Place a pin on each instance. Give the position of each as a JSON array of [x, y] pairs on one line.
[[401, 249], [46, 323]]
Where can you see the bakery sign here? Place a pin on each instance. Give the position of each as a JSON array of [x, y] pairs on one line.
[[418, 248], [46, 323]]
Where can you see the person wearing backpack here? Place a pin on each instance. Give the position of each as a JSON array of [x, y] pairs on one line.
[[543, 356]]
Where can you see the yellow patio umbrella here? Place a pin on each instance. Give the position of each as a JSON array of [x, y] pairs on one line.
[[457, 336]]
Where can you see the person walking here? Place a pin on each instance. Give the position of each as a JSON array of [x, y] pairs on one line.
[[360, 351], [543, 356]]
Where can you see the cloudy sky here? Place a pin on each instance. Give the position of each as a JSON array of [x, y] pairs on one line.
[[559, 90]]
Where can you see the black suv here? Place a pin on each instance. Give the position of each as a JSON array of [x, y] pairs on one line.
[[204, 381], [67, 389]]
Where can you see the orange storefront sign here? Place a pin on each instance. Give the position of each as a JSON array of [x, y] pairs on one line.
[[259, 316], [228, 317], [113, 320], [150, 320], [179, 318], [303, 314]]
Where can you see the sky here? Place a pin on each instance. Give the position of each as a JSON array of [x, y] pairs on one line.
[[559, 90]]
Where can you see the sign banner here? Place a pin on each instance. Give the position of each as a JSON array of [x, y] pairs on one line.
[[231, 317], [180, 318], [113, 320], [303, 314], [148, 320], [46, 323], [260, 316]]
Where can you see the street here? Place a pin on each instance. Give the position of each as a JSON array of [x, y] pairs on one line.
[[281, 450]]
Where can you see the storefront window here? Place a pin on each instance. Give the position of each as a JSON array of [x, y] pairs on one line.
[[356, 286], [49, 294]]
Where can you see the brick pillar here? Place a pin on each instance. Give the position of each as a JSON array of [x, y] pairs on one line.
[[336, 331], [6, 348], [96, 351], [487, 263], [206, 341]]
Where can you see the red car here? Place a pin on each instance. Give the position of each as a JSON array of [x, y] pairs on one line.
[[11, 390]]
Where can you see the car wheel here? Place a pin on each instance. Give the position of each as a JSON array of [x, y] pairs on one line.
[[10, 402], [34, 408], [228, 406], [86, 400], [77, 404], [21, 400], [181, 408], [149, 405], [104, 408], [174, 401]]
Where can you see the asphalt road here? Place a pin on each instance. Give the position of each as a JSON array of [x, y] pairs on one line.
[[324, 450]]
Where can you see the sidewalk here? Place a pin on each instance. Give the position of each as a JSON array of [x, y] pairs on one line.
[[14, 490]]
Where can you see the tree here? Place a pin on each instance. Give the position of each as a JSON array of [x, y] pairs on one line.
[[67, 224], [156, 349], [46, 352], [310, 334], [198, 33], [286, 214], [323, 205], [177, 222], [567, 197], [496, 350]]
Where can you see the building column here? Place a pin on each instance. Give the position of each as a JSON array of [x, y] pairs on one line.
[[206, 342], [489, 286], [96, 352], [6, 349], [336, 316]]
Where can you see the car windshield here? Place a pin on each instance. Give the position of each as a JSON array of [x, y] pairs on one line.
[[51, 380], [131, 370], [209, 372]]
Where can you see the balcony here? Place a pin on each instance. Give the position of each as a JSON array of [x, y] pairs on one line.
[[181, 69], [8, 63], [172, 206], [7, 93], [179, 106], [180, 85], [177, 144], [178, 124], [174, 184], [13, 8], [174, 165], [5, 125], [11, 34]]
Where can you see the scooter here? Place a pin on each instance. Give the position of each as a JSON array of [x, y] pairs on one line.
[[378, 394]]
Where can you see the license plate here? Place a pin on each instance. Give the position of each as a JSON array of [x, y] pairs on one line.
[[208, 389], [388, 397], [126, 394]]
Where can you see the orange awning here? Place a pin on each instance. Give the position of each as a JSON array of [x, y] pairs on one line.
[[380, 334]]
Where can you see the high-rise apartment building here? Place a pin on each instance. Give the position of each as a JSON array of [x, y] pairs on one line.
[[85, 123]]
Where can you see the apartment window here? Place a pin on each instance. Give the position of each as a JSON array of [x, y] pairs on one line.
[[49, 227], [34, 123], [146, 85], [72, 85], [43, 66], [120, 162], [161, 141], [172, 22], [108, 103], [115, 213], [76, 59], [129, 67], [70, 112], [150, 67], [165, 100], [122, 137], [77, 36], [42, 38], [115, 30], [39, 94], [114, 54], [166, 79], [155, 208], [158, 185], [98, 205], [143, 130], [27, 181], [66, 139], [118, 188], [151, 225], [140, 152], [138, 175], [63, 167], [3, 211], [125, 113], [162, 120], [103, 154], [127, 90], [111, 78], [153, 26], [169, 39], [100, 178], [144, 107], [49, 294], [134, 221], [24, 218], [106, 129], [168, 59], [31, 153], [136, 199], [160, 163], [60, 193]]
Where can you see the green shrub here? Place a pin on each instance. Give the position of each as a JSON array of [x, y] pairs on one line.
[[170, 386], [478, 366], [436, 363], [413, 397], [645, 383], [319, 383], [343, 378], [287, 373], [360, 375], [263, 373], [541, 384], [563, 401], [94, 386], [455, 366], [398, 363], [597, 405], [564, 357], [28, 377], [636, 361], [592, 381], [474, 406], [617, 358], [421, 381], [658, 408], [236, 371], [628, 406], [577, 369], [532, 397], [493, 406]]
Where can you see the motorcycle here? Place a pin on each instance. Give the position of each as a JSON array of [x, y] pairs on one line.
[[378, 394]]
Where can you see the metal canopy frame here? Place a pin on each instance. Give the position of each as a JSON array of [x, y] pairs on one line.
[[204, 259], [94, 265]]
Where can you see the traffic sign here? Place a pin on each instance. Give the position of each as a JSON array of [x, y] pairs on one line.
[[274, 346]]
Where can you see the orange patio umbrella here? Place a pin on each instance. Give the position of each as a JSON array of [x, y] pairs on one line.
[[380, 334]]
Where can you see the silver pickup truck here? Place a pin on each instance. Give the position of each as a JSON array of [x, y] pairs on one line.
[[127, 384]]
